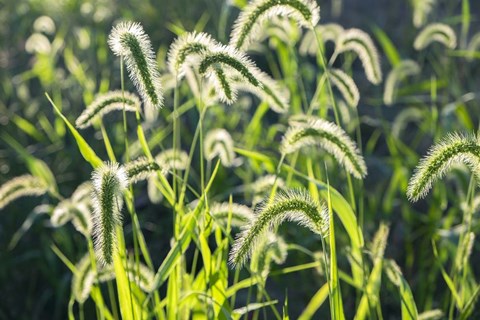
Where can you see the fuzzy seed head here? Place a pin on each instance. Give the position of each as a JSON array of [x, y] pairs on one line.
[[331, 138], [83, 279], [435, 32], [454, 148], [421, 10], [129, 41], [346, 86], [473, 46], [238, 214], [109, 182], [62, 213], [173, 159], [186, 50], [22, 186], [249, 23], [404, 69], [106, 103], [141, 275], [218, 142], [326, 32], [360, 42], [379, 242], [142, 169], [293, 205]]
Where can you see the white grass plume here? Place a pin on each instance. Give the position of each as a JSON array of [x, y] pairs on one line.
[[404, 69], [346, 86], [142, 169], [141, 275], [186, 50], [129, 41], [238, 214], [110, 180], [61, 214], [293, 205], [421, 10], [173, 159], [106, 103], [270, 248], [326, 32], [330, 137], [22, 186], [360, 42], [83, 279], [251, 19], [452, 149], [435, 32], [218, 142]]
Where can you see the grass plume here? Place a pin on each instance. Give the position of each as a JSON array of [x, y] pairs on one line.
[[22, 186], [436, 32]]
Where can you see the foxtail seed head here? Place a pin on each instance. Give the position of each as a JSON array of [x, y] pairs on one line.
[[454, 148], [326, 32], [293, 205], [330, 137], [22, 186], [129, 41], [173, 159], [142, 169], [251, 19], [346, 86], [360, 42], [436, 32], [110, 180], [218, 142], [421, 10], [404, 69], [238, 214], [106, 103]]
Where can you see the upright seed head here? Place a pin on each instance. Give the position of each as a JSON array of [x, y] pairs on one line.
[[109, 182]]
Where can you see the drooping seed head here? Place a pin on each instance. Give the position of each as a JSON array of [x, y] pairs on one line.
[[142, 169], [346, 86], [326, 32], [435, 314], [404, 69], [82, 218], [360, 42], [22, 186], [129, 41], [393, 271], [330, 137], [271, 247], [141, 275], [473, 46], [293, 205], [106, 103], [436, 32], [379, 242], [62, 213], [83, 279], [218, 142], [110, 180], [186, 50], [256, 13], [454, 148], [173, 159], [421, 10], [238, 214]]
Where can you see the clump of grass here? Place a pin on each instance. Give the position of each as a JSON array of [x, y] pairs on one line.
[[106, 103], [454, 148], [110, 180], [22, 186], [129, 41], [293, 205], [331, 138], [360, 42], [253, 16], [436, 32]]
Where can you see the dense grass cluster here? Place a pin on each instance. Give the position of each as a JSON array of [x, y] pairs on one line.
[[164, 195]]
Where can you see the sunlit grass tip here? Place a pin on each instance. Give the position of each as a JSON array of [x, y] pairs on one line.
[[293, 205], [110, 180], [173, 159], [404, 69], [454, 148], [249, 23], [325, 32], [330, 137], [129, 41], [218, 142], [22, 186], [346, 86], [436, 32], [186, 49], [421, 10], [142, 169], [361, 43], [106, 103], [238, 214]]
